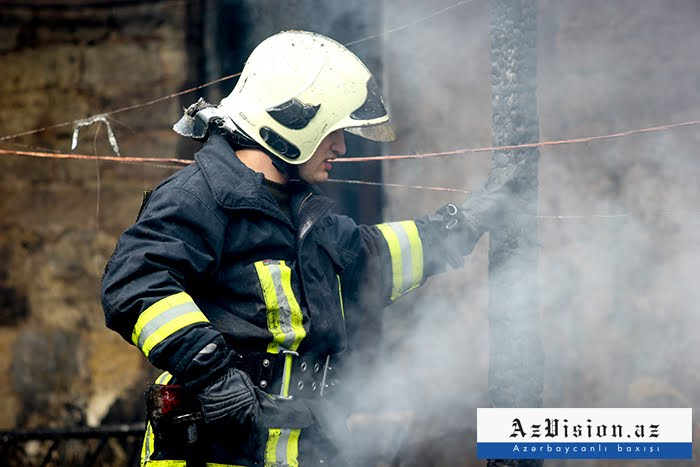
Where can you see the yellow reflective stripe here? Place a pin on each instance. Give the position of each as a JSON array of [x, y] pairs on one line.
[[273, 438], [156, 309], [340, 296], [148, 445], [282, 448], [284, 317], [164, 378], [287, 375], [270, 297], [182, 463], [406, 252], [293, 448], [165, 463], [163, 318], [416, 253], [294, 308], [395, 253], [171, 328], [149, 439]]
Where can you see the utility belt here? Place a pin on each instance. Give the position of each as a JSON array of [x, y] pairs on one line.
[[174, 413], [288, 374]]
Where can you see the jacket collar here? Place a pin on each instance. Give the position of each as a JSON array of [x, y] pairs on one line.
[[235, 185]]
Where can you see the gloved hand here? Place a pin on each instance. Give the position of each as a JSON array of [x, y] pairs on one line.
[[464, 225], [484, 210], [225, 393], [231, 399]]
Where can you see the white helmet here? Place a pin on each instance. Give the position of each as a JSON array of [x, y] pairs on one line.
[[297, 87]]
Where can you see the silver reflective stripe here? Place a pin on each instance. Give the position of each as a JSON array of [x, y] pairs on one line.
[[282, 447], [406, 252], [406, 263], [164, 378], [282, 442], [163, 318], [285, 313], [285, 320]]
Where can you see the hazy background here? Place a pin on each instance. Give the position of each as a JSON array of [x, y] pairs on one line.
[[617, 294]]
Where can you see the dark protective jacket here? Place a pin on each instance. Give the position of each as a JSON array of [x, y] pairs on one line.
[[213, 255]]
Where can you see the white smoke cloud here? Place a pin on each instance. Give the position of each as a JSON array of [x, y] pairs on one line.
[[616, 294]]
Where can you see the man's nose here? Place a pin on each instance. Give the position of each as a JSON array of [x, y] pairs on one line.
[[338, 144]]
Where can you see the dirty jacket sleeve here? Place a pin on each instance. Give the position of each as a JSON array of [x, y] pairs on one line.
[[158, 262], [393, 258]]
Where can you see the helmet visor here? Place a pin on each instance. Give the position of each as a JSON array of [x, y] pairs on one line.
[[379, 132]]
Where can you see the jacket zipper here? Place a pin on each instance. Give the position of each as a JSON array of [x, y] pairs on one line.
[[300, 245]]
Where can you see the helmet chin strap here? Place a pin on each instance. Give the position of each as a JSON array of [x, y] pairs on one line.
[[290, 170], [202, 119], [239, 139]]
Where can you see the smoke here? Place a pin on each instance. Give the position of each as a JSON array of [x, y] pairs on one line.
[[616, 271], [619, 223]]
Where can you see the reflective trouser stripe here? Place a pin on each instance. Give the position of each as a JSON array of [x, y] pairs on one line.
[[149, 438], [284, 318], [164, 318], [282, 448], [182, 463], [406, 251], [149, 442], [166, 463], [164, 378]]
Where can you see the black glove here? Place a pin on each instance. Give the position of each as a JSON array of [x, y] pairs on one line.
[[485, 209], [230, 400], [208, 365], [225, 393], [464, 225]]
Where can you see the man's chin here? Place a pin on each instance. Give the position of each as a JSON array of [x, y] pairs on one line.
[[316, 179]]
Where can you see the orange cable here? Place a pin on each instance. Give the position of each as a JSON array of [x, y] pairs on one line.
[[122, 109], [520, 146], [376, 158], [52, 155], [420, 187], [224, 78]]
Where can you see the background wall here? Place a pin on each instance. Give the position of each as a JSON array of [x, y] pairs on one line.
[[617, 293], [60, 219]]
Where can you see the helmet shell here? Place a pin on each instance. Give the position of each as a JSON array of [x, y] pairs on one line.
[[297, 87]]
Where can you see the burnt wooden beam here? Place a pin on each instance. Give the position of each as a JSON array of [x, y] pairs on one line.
[[516, 370]]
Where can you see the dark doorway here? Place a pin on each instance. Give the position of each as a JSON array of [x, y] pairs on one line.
[[224, 32]]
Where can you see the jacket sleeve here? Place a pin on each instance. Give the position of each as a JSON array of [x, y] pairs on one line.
[[159, 261], [394, 258]]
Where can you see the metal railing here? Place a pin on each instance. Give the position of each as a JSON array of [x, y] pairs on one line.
[[57, 447]]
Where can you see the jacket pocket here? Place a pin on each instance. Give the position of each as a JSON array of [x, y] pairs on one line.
[[341, 257]]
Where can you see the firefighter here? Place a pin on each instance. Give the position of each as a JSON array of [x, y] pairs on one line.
[[239, 281]]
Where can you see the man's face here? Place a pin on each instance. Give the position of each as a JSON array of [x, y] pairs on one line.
[[316, 169]]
